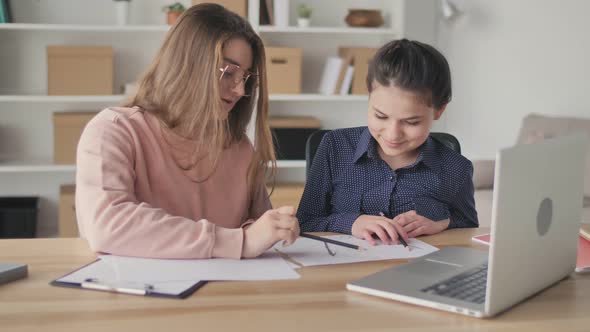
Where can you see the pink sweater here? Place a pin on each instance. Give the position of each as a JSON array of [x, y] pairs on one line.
[[132, 199]]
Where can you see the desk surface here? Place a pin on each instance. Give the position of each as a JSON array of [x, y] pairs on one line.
[[317, 301]]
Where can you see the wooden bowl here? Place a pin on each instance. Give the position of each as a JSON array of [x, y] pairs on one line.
[[364, 18]]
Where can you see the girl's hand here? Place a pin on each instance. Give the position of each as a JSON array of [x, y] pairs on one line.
[[365, 226], [273, 226], [416, 225]]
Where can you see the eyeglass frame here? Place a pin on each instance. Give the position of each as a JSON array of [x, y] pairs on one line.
[[330, 251], [244, 79]]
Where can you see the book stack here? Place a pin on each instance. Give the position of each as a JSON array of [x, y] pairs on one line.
[[5, 15], [274, 12], [346, 73]]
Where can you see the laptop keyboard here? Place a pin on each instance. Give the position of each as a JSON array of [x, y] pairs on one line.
[[468, 286]]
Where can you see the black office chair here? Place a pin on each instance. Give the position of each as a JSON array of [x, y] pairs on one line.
[[313, 142]]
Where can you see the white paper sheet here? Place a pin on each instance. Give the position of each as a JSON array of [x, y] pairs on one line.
[[269, 266], [104, 273], [312, 252]]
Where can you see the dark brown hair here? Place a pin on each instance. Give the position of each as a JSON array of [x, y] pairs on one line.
[[415, 67]]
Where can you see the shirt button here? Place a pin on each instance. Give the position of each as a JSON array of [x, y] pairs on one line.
[[391, 178]]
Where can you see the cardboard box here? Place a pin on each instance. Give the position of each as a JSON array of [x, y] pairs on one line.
[[79, 70], [360, 57], [239, 7], [283, 68], [67, 128], [290, 135], [68, 226]]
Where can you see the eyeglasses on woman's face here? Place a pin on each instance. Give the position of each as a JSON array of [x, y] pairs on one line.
[[232, 75]]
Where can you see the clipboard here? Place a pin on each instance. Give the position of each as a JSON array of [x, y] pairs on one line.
[[98, 276]]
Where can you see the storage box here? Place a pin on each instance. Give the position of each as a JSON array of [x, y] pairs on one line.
[[79, 70], [283, 67], [67, 128], [290, 135], [68, 226], [360, 60], [18, 217], [239, 7]]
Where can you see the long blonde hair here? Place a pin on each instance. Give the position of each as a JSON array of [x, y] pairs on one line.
[[181, 88]]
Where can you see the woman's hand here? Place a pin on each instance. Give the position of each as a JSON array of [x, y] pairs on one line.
[[273, 226], [388, 231], [416, 225]]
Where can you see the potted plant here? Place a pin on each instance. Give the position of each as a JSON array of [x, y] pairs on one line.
[[304, 15], [122, 11], [173, 11]]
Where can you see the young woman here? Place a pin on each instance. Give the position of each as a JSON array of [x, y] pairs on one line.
[[172, 174], [391, 179]]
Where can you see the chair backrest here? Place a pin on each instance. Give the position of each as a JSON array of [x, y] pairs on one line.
[[447, 139], [311, 146], [313, 142]]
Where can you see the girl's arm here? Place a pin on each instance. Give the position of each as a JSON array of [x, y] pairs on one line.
[[315, 209], [463, 212]]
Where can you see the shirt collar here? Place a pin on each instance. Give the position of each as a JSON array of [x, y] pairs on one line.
[[367, 145]]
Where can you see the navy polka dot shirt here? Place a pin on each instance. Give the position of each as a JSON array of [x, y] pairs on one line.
[[348, 179]]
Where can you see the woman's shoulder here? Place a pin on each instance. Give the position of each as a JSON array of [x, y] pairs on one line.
[[119, 113], [119, 117]]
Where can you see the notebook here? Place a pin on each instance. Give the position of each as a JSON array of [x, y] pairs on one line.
[[582, 263]]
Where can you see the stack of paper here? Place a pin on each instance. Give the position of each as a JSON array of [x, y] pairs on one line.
[[180, 277], [309, 252]]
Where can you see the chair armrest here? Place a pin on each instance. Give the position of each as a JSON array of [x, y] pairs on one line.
[[483, 174]]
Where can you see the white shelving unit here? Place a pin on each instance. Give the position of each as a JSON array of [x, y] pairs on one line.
[[26, 129]]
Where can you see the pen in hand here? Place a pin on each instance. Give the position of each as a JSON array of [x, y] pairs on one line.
[[399, 237]]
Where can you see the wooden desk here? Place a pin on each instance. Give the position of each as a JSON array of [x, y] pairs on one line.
[[316, 302]]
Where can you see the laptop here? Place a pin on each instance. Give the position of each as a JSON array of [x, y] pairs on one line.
[[537, 208]]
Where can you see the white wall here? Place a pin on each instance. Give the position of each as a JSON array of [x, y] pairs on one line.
[[510, 58]]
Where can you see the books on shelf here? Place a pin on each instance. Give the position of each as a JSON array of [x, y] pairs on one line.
[[330, 75], [281, 12], [337, 76], [266, 15], [347, 81], [5, 14]]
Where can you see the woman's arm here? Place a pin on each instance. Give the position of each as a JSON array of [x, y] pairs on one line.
[[114, 221]]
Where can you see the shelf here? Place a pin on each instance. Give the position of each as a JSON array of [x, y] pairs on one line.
[[164, 28], [81, 27], [34, 167], [48, 167], [290, 163], [317, 97], [119, 98], [61, 99], [325, 30]]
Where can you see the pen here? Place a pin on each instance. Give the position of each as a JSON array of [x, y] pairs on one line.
[[93, 284], [400, 238], [323, 239]]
